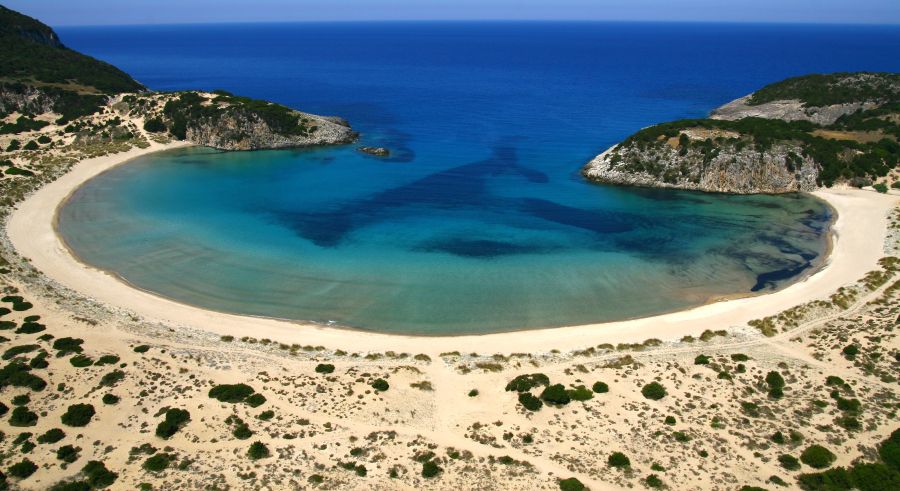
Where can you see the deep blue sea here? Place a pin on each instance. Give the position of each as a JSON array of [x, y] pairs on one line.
[[479, 221]]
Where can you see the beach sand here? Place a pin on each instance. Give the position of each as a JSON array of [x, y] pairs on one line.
[[859, 233]]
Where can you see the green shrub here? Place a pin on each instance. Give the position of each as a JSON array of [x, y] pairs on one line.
[[98, 476], [107, 360], [22, 416], [266, 415], [430, 469], [775, 380], [52, 435], [175, 420], [158, 462], [68, 453], [473, 393], [257, 451], [600, 387], [233, 393], [580, 393], [701, 360], [44, 139], [789, 462], [23, 469], [380, 385], [78, 415], [31, 328], [324, 368], [242, 431], [67, 345], [890, 450], [817, 457], [20, 350], [81, 361], [21, 400], [670, 420], [524, 383], [154, 125], [618, 459], [739, 357], [653, 481], [529, 401], [18, 374], [571, 484], [256, 400], [142, 348], [112, 378], [556, 394], [653, 391], [31, 145], [110, 399], [850, 350], [880, 187]]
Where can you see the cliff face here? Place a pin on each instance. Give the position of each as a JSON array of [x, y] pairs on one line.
[[227, 122], [247, 131], [730, 169], [794, 135]]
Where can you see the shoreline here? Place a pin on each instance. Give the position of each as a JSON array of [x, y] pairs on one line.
[[852, 252]]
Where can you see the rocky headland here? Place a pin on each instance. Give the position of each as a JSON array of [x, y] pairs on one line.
[[796, 135]]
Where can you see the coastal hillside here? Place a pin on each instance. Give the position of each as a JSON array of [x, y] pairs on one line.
[[795, 135], [53, 97]]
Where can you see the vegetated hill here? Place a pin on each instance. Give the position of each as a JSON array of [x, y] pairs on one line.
[[225, 121], [794, 135], [40, 76], [31, 52]]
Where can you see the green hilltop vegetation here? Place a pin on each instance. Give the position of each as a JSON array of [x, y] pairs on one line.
[[819, 90], [858, 147], [30, 52]]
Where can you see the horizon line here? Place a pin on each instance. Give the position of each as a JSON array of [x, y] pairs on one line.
[[474, 21]]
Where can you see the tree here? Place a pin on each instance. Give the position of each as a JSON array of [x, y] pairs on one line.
[[530, 402], [600, 387], [570, 484], [174, 421], [258, 450]]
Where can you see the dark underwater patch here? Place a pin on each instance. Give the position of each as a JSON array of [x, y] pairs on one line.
[[771, 278], [595, 221], [479, 248]]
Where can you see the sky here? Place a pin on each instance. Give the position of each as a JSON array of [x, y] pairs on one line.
[[113, 12]]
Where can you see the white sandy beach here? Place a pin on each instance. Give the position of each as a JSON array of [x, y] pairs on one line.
[[859, 233]]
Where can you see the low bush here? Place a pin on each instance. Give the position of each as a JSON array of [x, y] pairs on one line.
[[817, 457], [789, 462], [571, 484], [233, 393], [556, 394], [68, 453], [530, 402], [600, 387], [78, 415], [158, 462], [524, 383], [380, 385], [580, 393], [258, 450], [618, 459], [23, 469], [110, 399], [430, 469], [654, 391], [22, 416], [98, 476], [175, 420], [324, 368], [52, 435]]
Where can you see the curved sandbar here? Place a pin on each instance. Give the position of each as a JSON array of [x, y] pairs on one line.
[[859, 234]]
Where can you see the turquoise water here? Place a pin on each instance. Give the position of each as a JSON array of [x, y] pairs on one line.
[[479, 222]]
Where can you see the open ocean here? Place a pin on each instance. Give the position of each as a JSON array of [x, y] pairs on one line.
[[479, 221]]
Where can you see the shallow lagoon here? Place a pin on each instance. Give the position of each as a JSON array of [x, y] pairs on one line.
[[479, 221]]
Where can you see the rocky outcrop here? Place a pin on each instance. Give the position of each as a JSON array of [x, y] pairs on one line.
[[788, 110], [248, 131], [793, 135], [730, 169], [375, 151]]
